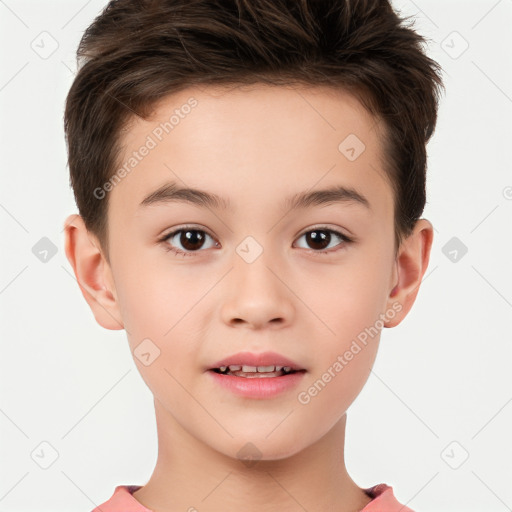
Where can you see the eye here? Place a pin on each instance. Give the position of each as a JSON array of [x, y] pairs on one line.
[[191, 239], [321, 237]]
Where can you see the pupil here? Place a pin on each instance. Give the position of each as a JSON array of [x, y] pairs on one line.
[[314, 238], [318, 239], [189, 240]]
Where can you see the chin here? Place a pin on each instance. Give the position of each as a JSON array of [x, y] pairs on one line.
[[256, 450]]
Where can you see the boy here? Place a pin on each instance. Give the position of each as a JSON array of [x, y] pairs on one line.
[[287, 140]]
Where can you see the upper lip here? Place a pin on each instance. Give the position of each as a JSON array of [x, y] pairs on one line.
[[261, 359]]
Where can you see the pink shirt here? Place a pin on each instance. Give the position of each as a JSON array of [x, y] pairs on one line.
[[123, 501]]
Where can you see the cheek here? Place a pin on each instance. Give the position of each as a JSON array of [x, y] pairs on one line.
[[154, 296], [330, 392], [348, 304], [162, 303], [346, 342], [347, 297], [158, 309]]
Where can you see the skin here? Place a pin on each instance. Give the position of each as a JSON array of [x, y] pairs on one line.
[[254, 146]]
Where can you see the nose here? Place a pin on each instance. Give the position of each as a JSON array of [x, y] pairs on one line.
[[257, 296]]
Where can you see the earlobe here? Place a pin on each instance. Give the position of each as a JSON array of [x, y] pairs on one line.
[[411, 264], [92, 273]]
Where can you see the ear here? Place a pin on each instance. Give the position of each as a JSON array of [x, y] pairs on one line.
[[411, 263], [92, 272]]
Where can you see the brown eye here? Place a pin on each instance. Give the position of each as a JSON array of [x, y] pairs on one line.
[[186, 240], [191, 239], [320, 239]]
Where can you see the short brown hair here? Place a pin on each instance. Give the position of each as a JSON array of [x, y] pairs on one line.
[[136, 52]]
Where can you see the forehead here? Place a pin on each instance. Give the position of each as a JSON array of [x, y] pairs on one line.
[[250, 144]]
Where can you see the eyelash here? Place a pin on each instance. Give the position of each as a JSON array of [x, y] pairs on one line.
[[345, 239]]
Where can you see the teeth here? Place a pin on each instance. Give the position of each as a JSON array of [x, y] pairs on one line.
[[263, 369], [254, 372], [254, 369]]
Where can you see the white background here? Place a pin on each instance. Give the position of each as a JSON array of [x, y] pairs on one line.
[[441, 386]]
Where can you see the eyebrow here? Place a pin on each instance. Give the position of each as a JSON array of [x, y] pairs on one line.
[[171, 192]]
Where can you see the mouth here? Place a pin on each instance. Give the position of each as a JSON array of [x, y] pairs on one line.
[[259, 376], [256, 372]]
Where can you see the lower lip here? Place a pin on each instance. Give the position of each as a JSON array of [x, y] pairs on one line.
[[258, 387]]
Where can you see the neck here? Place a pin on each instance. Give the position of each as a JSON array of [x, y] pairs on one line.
[[190, 474]]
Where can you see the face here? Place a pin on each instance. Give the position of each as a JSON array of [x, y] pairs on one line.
[[195, 283]]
